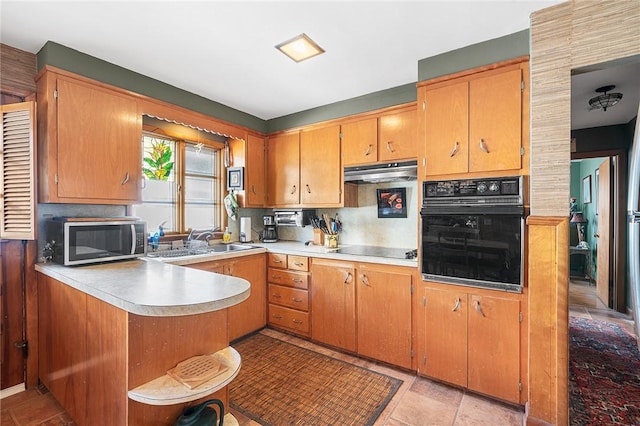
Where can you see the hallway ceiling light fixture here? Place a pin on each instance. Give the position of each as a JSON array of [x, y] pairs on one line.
[[300, 48], [606, 100]]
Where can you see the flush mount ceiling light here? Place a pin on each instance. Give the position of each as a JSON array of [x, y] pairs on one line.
[[606, 100], [300, 48]]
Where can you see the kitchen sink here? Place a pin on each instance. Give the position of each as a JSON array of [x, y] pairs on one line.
[[182, 252]]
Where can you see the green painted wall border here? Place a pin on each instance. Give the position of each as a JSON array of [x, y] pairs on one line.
[[80, 63], [475, 55]]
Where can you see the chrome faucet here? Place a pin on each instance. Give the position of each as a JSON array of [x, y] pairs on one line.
[[206, 233]]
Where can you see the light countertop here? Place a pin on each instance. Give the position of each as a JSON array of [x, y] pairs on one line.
[[153, 288]]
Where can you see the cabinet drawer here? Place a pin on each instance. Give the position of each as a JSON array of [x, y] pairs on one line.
[[277, 260], [287, 296], [289, 318], [298, 263], [288, 278]]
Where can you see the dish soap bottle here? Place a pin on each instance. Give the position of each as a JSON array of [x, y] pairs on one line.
[[226, 237]]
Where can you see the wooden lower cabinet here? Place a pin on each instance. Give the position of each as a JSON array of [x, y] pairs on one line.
[[250, 315], [333, 292], [472, 338], [364, 308], [288, 280], [92, 353]]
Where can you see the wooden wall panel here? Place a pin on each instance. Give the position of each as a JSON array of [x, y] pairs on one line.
[[17, 71]]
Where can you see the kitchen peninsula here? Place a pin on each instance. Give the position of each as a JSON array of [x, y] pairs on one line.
[[110, 332]]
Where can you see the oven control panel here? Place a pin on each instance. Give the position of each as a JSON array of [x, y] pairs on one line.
[[507, 186]]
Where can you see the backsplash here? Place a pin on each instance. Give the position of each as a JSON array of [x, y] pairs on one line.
[[361, 226]]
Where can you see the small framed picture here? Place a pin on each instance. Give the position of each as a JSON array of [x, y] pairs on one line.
[[235, 178], [586, 190], [392, 202]]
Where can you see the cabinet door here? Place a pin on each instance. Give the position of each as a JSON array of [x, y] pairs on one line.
[[360, 142], [334, 305], [283, 169], [250, 315], [397, 136], [98, 141], [447, 129], [495, 122], [320, 167], [494, 347], [255, 185], [443, 336], [384, 314]]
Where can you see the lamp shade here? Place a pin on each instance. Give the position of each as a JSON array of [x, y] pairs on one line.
[[578, 218]]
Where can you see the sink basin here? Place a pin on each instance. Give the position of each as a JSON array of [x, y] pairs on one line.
[[207, 250]]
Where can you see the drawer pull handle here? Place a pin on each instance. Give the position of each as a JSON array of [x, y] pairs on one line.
[[457, 305], [389, 147], [297, 321], [454, 151], [276, 296], [308, 189], [277, 317], [293, 190], [126, 179], [296, 280], [253, 189], [296, 300], [483, 147], [276, 277], [364, 280], [347, 278], [298, 263], [277, 261], [368, 150]]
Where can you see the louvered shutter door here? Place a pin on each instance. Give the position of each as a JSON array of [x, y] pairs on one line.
[[17, 181]]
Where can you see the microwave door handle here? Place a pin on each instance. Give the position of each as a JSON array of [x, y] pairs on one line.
[[133, 238]]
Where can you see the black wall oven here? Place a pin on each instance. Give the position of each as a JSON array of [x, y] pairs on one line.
[[472, 232]]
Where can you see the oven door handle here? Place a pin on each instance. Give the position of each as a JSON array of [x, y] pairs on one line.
[[472, 210]]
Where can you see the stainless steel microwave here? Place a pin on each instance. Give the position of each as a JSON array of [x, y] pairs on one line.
[[80, 241]]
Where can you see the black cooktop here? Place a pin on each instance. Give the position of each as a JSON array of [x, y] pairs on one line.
[[393, 253]]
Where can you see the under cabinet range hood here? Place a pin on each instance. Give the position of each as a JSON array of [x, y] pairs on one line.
[[382, 172]]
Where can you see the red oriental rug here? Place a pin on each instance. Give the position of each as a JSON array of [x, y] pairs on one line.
[[604, 374]]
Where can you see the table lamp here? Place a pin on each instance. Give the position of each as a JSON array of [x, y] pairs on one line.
[[579, 220]]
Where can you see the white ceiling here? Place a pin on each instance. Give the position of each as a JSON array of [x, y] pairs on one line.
[[224, 50]]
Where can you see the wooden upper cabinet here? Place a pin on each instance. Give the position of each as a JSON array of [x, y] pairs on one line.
[[89, 143], [447, 129], [475, 123], [360, 142], [255, 182], [398, 137], [283, 169], [495, 122], [320, 167]]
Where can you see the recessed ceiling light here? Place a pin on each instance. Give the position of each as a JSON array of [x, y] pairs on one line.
[[300, 48]]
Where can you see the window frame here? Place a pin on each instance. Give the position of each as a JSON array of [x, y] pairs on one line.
[[181, 140]]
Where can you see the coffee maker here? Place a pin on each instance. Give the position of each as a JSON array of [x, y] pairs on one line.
[[270, 233]]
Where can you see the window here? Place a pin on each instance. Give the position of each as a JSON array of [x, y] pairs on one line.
[[182, 185]]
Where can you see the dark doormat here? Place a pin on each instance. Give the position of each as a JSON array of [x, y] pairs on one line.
[[283, 384], [604, 374]]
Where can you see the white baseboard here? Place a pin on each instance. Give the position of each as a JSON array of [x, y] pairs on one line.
[[12, 390]]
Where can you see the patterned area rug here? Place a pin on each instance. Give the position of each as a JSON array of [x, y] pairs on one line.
[[604, 374], [282, 384]]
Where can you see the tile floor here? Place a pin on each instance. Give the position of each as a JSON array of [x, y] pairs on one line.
[[419, 401]]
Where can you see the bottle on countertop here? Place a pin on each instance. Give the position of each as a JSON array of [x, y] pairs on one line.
[[226, 237]]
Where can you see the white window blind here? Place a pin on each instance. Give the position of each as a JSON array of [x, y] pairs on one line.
[[17, 181]]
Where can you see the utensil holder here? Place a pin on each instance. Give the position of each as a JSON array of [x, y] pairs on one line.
[[331, 240]]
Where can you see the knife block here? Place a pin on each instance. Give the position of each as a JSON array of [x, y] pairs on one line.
[[318, 237]]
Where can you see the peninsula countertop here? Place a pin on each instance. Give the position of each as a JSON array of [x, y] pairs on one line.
[[152, 288]]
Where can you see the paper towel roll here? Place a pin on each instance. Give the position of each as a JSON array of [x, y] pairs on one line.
[[245, 229]]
